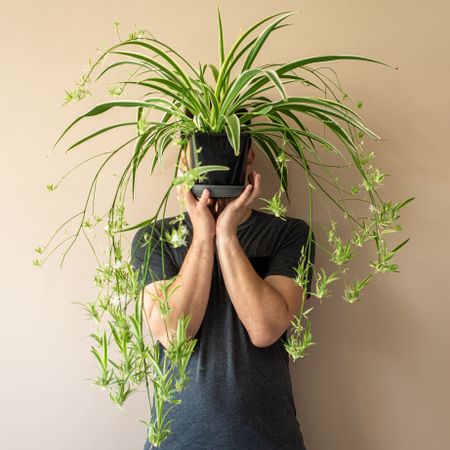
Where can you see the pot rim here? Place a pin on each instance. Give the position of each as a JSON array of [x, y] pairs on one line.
[[218, 134]]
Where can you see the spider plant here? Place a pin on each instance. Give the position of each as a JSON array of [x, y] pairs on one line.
[[277, 123]]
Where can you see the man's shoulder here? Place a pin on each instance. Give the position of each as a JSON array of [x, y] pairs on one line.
[[154, 230]]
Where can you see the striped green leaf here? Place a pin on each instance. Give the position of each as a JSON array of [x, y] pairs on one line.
[[233, 130], [273, 76]]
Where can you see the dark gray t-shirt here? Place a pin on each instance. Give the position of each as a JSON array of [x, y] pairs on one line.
[[239, 396]]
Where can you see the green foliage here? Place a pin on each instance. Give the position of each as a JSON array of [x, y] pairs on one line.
[[171, 85]]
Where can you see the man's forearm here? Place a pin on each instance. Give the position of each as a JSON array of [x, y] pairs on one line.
[[260, 307], [189, 293]]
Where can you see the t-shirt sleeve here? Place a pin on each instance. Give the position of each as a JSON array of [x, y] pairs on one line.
[[153, 262], [287, 253]]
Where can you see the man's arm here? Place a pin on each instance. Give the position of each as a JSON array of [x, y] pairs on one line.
[[188, 293], [264, 306]]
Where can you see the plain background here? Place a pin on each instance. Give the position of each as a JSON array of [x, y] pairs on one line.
[[378, 377]]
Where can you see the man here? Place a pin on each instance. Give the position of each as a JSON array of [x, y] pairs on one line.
[[235, 279]]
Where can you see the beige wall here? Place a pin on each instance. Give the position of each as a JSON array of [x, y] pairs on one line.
[[379, 377]]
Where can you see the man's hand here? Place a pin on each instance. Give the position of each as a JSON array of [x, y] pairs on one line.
[[201, 213], [260, 306], [232, 214]]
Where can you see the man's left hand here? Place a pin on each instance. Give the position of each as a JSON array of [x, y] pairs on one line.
[[236, 210]]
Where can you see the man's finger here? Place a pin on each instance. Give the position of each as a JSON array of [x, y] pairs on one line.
[[256, 188], [244, 196], [189, 196], [204, 197]]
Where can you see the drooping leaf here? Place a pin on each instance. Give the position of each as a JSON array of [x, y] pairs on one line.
[[277, 82], [233, 131], [103, 107]]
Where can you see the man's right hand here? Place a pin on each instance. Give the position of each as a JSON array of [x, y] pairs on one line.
[[202, 214]]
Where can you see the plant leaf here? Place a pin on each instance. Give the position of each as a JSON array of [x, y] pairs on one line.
[[221, 46], [402, 204], [103, 107], [314, 59], [277, 82], [103, 130], [229, 61], [261, 39], [237, 86], [233, 130], [214, 71]]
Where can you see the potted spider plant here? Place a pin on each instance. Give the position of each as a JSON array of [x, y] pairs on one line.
[[219, 113], [215, 148]]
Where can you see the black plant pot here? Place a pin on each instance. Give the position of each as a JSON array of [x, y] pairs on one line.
[[217, 150]]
